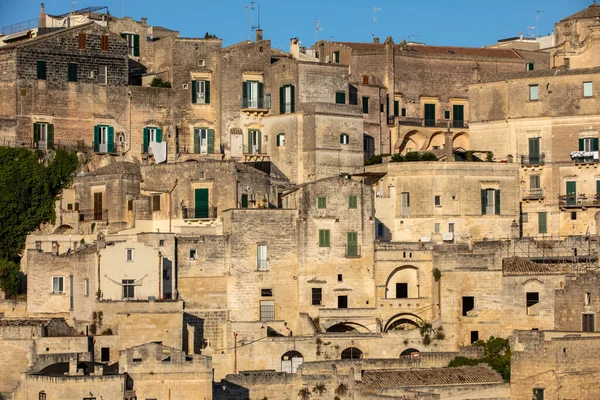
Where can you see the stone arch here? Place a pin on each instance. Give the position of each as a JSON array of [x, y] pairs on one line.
[[352, 353], [403, 282], [290, 361], [462, 140], [413, 141], [402, 322], [437, 140], [347, 327], [62, 229], [409, 352]]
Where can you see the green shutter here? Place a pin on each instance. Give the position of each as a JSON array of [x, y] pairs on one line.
[[72, 73], [342, 138], [497, 201], [41, 70], [136, 45], [396, 107], [278, 140], [244, 201], [211, 141], [50, 138], [282, 100], [110, 140], [260, 98], [259, 135], [158, 137], [483, 201], [292, 100], [352, 202], [340, 98], [124, 36], [146, 139], [542, 222], [365, 105], [323, 237], [36, 134], [352, 247], [321, 202], [244, 94], [581, 145], [207, 92], [201, 203], [595, 144], [96, 138], [194, 92], [598, 187], [249, 142], [196, 140]]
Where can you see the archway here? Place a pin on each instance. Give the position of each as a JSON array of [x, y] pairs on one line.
[[352, 353], [402, 322], [63, 229], [290, 361], [437, 141], [410, 353], [347, 327], [413, 141], [403, 283], [461, 140]]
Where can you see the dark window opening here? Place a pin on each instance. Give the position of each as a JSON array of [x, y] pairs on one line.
[[317, 296], [192, 254], [105, 354], [342, 301], [538, 394], [404, 112], [588, 323], [352, 353], [129, 205], [340, 278], [156, 202], [474, 336], [352, 95], [468, 304], [401, 290], [266, 292], [573, 215], [365, 105], [128, 288]]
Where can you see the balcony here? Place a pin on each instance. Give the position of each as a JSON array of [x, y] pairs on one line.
[[533, 160], [585, 157], [578, 201], [258, 106], [352, 251], [199, 213], [433, 123], [93, 215], [253, 150], [533, 194], [72, 145]]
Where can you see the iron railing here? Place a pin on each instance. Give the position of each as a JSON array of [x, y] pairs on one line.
[[93, 215], [579, 200], [533, 194], [588, 159], [253, 103], [539, 159], [199, 213], [437, 123], [72, 145], [254, 150]]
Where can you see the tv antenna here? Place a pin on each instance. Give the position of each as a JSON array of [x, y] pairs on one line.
[[73, 5], [250, 16], [537, 21], [373, 19], [317, 28], [123, 9]]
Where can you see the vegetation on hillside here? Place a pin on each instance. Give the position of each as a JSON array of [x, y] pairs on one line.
[[28, 190], [496, 353], [412, 156]]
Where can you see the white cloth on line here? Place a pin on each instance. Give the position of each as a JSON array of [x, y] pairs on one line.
[[159, 151]]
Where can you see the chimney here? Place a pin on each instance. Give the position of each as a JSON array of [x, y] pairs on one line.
[[521, 36], [191, 333], [376, 40], [259, 34], [295, 47], [144, 21], [42, 23]]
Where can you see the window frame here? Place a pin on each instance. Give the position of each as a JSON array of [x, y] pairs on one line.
[[266, 292], [129, 254], [280, 140], [344, 139], [102, 68], [316, 296], [534, 95], [128, 292], [591, 89], [156, 202], [61, 284], [262, 258], [437, 200], [264, 313], [324, 238]]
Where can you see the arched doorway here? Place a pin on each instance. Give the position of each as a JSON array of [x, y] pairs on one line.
[[403, 283], [413, 141], [352, 353], [290, 361], [347, 327], [409, 353], [402, 322], [461, 140]]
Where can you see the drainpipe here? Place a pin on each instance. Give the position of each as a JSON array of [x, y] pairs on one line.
[[159, 275], [130, 135], [235, 352], [170, 206]]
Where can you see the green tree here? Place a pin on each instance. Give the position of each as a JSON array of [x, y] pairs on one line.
[[496, 353], [9, 277]]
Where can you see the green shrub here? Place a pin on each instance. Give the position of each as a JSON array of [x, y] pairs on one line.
[[9, 277], [496, 353], [157, 82]]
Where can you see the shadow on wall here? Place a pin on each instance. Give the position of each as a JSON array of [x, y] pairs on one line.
[[229, 391]]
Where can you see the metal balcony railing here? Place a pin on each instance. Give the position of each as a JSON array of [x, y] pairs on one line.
[[72, 145], [253, 103], [579, 200], [437, 123], [254, 150], [533, 194], [199, 213], [93, 215], [352, 251], [533, 160]]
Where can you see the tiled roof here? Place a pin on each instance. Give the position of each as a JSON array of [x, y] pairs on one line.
[[439, 50], [592, 11], [388, 379], [118, 168], [524, 266], [542, 73]]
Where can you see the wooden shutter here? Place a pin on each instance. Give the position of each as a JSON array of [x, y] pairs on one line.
[[282, 100], [82, 41], [483, 201], [211, 141], [542, 222], [36, 134], [110, 140], [41, 70], [581, 145], [96, 138], [244, 94], [136, 45], [259, 136], [104, 43], [196, 140], [146, 139], [497, 201], [292, 100], [260, 96], [595, 144], [207, 92], [194, 93], [158, 136], [50, 137]]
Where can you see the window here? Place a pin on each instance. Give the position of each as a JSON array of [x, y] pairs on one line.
[[538, 394], [321, 202], [447, 114], [352, 95], [587, 299], [128, 288], [201, 92], [38, 245], [286, 99], [458, 115], [266, 292], [380, 228], [344, 138], [41, 70], [268, 101], [193, 254], [529, 66], [365, 105], [129, 205], [267, 310], [490, 202], [317, 296], [104, 139], [133, 44], [204, 141], [254, 142], [261, 257], [381, 108], [542, 222], [437, 201], [252, 94], [468, 304], [335, 57], [340, 97], [161, 242], [342, 302], [43, 136], [405, 203], [573, 215], [323, 237], [534, 182], [129, 254], [396, 107], [365, 79], [429, 110], [402, 290], [533, 92], [281, 140], [105, 354], [474, 336], [352, 244], [156, 202], [403, 112], [588, 89], [102, 74], [58, 284], [532, 301], [340, 278], [104, 43], [86, 287], [524, 217], [588, 323], [352, 202], [82, 41], [436, 227], [588, 144], [72, 72]]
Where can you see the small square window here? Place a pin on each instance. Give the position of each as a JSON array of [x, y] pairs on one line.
[[454, 197], [192, 254], [344, 138], [533, 92], [161, 242], [438, 201], [447, 114], [588, 89], [321, 202], [404, 112], [201, 62], [524, 217], [340, 278], [266, 292], [38, 245], [129, 254], [340, 97], [468, 304], [573, 215], [529, 66], [70, 207]]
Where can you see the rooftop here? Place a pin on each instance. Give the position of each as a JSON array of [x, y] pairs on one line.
[[118, 168], [592, 11], [542, 73]]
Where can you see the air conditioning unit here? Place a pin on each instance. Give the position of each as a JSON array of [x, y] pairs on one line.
[[92, 74]]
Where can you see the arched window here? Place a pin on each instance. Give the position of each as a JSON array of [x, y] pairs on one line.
[[410, 353], [42, 395], [352, 353], [344, 138], [403, 283], [290, 361]]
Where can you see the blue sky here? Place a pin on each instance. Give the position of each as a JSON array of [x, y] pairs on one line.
[[435, 22]]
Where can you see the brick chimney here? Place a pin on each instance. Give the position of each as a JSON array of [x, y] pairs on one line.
[[259, 34], [295, 47], [42, 22], [376, 40]]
